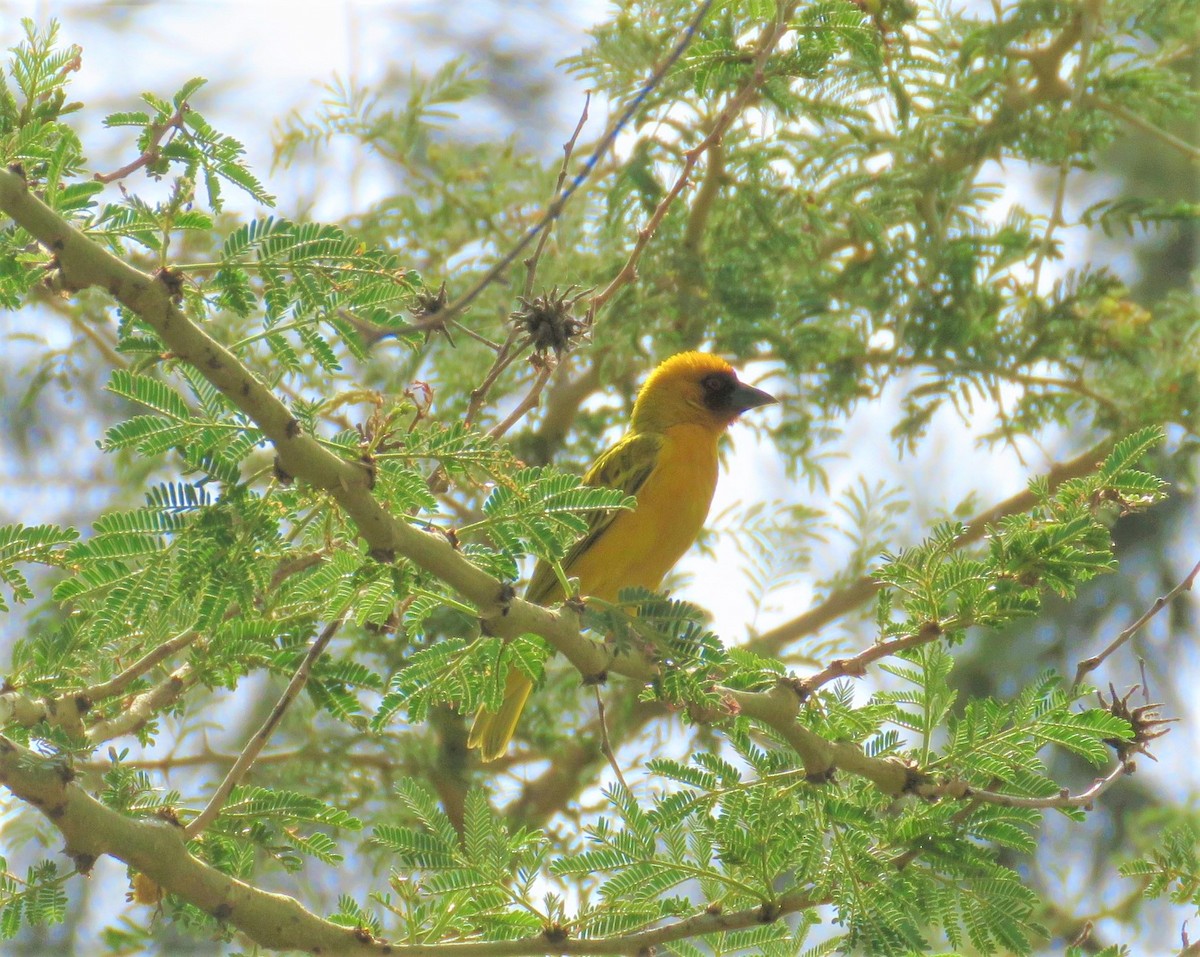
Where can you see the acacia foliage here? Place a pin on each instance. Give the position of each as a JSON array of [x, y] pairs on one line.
[[838, 232]]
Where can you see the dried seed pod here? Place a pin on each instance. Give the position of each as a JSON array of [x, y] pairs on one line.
[[548, 322]]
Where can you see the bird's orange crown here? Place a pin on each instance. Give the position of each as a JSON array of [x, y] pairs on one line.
[[697, 388]]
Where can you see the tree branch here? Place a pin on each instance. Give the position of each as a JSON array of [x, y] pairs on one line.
[[766, 44], [157, 849], [554, 210], [1091, 664], [260, 738], [144, 707], [531, 264], [1064, 798], [779, 708], [118, 683], [862, 590], [151, 152], [545, 369]]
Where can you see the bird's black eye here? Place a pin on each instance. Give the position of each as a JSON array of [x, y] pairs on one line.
[[718, 388]]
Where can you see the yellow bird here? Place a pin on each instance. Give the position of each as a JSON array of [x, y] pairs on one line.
[[668, 462]]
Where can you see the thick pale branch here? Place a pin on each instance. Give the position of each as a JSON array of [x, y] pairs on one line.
[[778, 710], [64, 711], [19, 708], [144, 707], [157, 849], [67, 710]]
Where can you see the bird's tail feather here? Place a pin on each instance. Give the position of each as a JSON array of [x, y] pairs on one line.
[[492, 731]]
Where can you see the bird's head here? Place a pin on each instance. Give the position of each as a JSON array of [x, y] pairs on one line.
[[697, 388]]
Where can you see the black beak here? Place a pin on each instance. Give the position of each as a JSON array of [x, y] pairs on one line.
[[746, 397]]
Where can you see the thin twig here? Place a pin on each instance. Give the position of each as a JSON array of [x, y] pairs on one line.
[[531, 263], [568, 774], [170, 763], [605, 743], [260, 738], [120, 682], [504, 358], [1141, 123], [628, 272], [862, 590], [891, 360], [724, 120], [472, 334], [1094, 662], [151, 152], [554, 210], [527, 403], [1064, 798]]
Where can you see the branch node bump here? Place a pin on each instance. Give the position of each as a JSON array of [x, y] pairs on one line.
[[367, 462], [172, 280], [821, 777], [914, 780], [798, 686], [282, 475], [769, 913], [84, 863], [505, 598], [556, 934]]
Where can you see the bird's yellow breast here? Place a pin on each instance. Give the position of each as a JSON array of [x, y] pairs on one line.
[[639, 547]]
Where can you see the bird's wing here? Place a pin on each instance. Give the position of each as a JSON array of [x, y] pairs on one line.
[[625, 466]]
